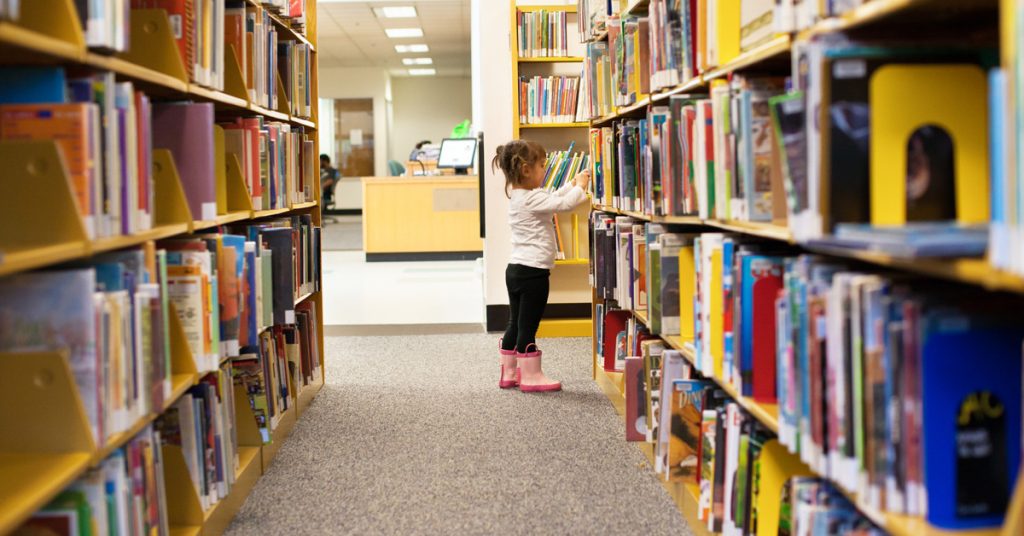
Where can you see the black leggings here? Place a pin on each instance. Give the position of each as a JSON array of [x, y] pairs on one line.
[[527, 297]]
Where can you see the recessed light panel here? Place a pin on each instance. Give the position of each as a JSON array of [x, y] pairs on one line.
[[395, 12], [417, 61], [399, 33], [422, 72], [402, 49]]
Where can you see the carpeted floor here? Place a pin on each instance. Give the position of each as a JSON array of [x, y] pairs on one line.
[[412, 436]]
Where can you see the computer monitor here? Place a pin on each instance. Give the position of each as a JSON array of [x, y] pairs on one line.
[[457, 153]]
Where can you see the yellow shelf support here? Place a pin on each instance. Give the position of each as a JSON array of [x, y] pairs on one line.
[[171, 204], [283, 106], [234, 79], [37, 197], [183, 505], [152, 44], [237, 192], [47, 439], [55, 18]]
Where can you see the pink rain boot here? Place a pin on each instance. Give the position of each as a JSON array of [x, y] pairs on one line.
[[509, 370], [531, 377]]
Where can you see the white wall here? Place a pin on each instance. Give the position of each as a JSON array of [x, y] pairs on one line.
[[426, 108], [492, 115], [363, 83]]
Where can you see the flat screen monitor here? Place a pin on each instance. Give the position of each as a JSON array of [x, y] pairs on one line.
[[457, 153]]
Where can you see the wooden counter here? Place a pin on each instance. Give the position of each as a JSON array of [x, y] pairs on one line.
[[421, 218]]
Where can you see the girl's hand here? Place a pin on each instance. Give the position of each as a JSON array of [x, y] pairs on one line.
[[582, 179]]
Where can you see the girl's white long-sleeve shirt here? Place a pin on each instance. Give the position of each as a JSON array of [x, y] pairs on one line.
[[533, 232]]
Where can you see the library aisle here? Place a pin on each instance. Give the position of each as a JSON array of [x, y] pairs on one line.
[[411, 436]]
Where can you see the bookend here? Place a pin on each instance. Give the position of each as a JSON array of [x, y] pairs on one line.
[[36, 192], [171, 204], [237, 193], [152, 44], [234, 78], [55, 18], [54, 441], [182, 360], [283, 105], [184, 508]]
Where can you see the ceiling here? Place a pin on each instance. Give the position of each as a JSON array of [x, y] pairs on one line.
[[351, 35]]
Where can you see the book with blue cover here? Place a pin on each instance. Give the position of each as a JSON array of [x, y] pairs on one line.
[[27, 85], [971, 405]]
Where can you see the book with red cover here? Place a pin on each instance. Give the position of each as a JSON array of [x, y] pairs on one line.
[[636, 418], [234, 35], [614, 323], [186, 129], [761, 280]]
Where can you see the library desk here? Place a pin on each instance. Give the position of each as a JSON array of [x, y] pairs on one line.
[[421, 218]]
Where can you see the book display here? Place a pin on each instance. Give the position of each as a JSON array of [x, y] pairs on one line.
[[805, 259], [160, 300]]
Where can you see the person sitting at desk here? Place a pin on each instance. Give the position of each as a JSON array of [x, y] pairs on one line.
[[416, 153], [329, 177]]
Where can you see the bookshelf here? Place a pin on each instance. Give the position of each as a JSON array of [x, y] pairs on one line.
[[47, 442], [568, 281], [973, 275]]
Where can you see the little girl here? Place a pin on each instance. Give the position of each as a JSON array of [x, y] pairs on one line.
[[530, 214]]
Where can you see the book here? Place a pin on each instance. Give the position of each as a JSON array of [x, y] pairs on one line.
[[186, 129], [54, 310], [686, 410]]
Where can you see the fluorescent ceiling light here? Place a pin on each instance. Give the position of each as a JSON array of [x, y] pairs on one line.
[[400, 12], [417, 61], [422, 72], [401, 49], [398, 33]]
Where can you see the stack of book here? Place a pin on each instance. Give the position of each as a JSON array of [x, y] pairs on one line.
[[542, 34], [865, 368]]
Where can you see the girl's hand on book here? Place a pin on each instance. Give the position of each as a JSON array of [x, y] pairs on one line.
[[582, 179]]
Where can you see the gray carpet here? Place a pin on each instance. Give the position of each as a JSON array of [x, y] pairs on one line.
[[343, 233], [411, 435]]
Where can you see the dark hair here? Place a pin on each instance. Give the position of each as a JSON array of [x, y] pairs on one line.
[[325, 157], [513, 157], [422, 143]]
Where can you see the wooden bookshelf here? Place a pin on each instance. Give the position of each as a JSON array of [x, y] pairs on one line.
[[885, 16], [554, 125], [556, 135], [36, 468], [552, 59]]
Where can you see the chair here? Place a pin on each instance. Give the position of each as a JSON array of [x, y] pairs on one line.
[[327, 198], [395, 168]]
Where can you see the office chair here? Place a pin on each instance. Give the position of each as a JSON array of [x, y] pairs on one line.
[[328, 204], [395, 169]]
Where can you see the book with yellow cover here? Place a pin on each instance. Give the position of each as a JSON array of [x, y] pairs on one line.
[[687, 284], [717, 309]]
